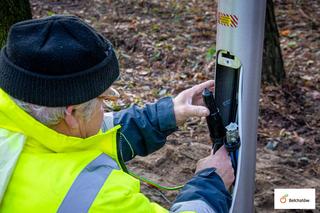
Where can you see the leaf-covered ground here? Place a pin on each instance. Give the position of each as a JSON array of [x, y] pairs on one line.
[[167, 46]]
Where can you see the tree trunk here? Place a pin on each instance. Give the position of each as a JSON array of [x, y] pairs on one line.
[[272, 69], [12, 11]]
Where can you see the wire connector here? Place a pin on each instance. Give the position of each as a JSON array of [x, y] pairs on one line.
[[232, 137]]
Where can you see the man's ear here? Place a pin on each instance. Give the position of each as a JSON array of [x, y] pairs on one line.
[[70, 119]]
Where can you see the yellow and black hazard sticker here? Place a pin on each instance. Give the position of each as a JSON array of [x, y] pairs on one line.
[[228, 20]]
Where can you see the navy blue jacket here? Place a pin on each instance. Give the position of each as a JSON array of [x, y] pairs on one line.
[[147, 129]]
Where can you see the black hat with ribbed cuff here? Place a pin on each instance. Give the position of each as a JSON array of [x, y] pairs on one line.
[[56, 61]]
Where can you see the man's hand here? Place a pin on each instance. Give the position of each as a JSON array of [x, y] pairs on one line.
[[222, 162], [189, 103]]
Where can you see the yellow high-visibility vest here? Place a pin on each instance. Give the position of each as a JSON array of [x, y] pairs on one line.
[[59, 173]]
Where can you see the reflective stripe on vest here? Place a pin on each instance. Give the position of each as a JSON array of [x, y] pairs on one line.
[[87, 185]]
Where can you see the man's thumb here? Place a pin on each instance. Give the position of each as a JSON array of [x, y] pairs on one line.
[[198, 111]]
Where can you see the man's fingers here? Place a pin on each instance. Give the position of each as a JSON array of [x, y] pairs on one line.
[[200, 87], [197, 89], [211, 88], [198, 111], [222, 151]]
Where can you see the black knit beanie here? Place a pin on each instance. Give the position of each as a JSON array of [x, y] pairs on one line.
[[56, 61]]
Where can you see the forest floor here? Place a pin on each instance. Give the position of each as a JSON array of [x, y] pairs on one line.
[[166, 46]]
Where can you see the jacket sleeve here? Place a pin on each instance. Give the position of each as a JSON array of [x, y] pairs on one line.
[[144, 130], [205, 192]]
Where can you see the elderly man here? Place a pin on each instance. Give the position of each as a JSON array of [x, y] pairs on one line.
[[60, 153]]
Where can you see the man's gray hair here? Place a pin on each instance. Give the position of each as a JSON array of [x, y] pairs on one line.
[[51, 116]]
